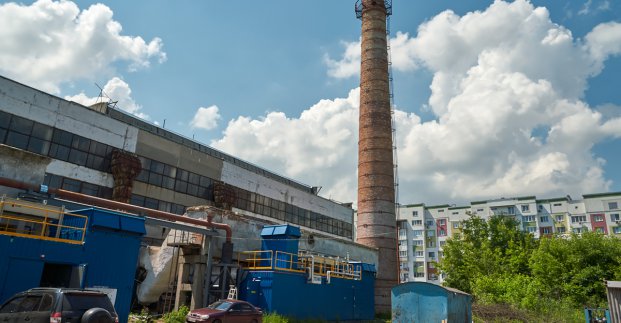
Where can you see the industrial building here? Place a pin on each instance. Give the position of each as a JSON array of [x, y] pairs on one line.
[[423, 230], [102, 152]]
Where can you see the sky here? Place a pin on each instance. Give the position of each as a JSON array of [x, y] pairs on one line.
[[492, 98]]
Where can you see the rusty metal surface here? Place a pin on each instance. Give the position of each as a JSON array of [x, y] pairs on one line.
[[376, 226], [79, 197]]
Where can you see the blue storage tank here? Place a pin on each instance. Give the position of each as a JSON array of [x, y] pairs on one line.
[[427, 302], [106, 259]]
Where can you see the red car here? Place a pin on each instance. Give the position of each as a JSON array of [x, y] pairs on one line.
[[226, 311]]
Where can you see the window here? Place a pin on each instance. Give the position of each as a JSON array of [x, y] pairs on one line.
[[578, 230], [455, 225], [528, 218], [543, 218], [431, 244], [417, 233], [616, 230], [414, 213], [557, 204], [429, 223], [440, 211], [403, 254], [431, 233], [546, 230], [511, 210], [540, 207], [432, 265], [417, 242], [442, 243], [419, 254], [455, 213], [417, 222], [598, 218], [560, 218], [419, 275], [578, 219], [418, 264], [599, 230], [615, 217], [442, 222], [441, 233], [561, 230], [431, 254], [613, 205], [531, 229], [525, 208]]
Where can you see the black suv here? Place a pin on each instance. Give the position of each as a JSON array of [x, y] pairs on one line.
[[58, 305]]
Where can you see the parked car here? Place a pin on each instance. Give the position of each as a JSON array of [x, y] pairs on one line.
[[226, 311], [56, 305]]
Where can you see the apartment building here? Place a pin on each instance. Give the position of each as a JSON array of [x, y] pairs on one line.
[[423, 230]]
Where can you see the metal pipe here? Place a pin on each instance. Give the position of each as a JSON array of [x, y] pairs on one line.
[[79, 197]]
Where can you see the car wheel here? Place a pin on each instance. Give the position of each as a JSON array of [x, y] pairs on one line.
[[97, 315]]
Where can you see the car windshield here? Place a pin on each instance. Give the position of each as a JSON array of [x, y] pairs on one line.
[[220, 305]]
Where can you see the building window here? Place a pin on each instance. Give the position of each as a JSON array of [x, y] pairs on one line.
[[440, 211], [432, 265], [479, 210], [599, 230], [419, 253], [613, 205], [431, 233], [455, 225], [598, 218], [543, 218], [511, 210], [403, 254], [417, 222], [557, 204], [455, 213], [577, 230], [431, 254], [441, 233], [525, 208], [615, 217], [442, 222], [417, 242], [559, 218], [442, 243], [528, 218], [419, 275], [414, 213], [616, 230], [546, 230], [417, 233], [531, 229], [578, 219], [561, 230]]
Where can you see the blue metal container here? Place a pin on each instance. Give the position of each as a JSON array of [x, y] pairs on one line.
[[106, 260], [288, 290], [426, 302]]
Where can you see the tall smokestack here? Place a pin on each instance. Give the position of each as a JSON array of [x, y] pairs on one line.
[[376, 191]]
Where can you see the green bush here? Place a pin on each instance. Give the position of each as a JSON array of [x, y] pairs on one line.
[[177, 316]]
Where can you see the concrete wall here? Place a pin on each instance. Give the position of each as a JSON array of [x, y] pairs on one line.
[[23, 165], [29, 103], [242, 178]]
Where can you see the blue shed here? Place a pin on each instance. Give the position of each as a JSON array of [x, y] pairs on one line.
[[90, 248], [426, 302]]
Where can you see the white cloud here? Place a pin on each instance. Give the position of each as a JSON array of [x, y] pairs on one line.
[[49, 43], [115, 90], [206, 118], [402, 57], [492, 93]]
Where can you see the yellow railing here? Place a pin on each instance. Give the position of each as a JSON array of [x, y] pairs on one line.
[[29, 221], [283, 261], [257, 260]]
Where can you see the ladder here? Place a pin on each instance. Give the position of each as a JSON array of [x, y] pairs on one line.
[[232, 292]]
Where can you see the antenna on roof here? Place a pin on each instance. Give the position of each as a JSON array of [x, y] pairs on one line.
[[103, 94]]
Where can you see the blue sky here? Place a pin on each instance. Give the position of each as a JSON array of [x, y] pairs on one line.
[[266, 75]]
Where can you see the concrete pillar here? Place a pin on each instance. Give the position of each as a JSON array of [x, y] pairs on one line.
[[376, 225], [125, 167]]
